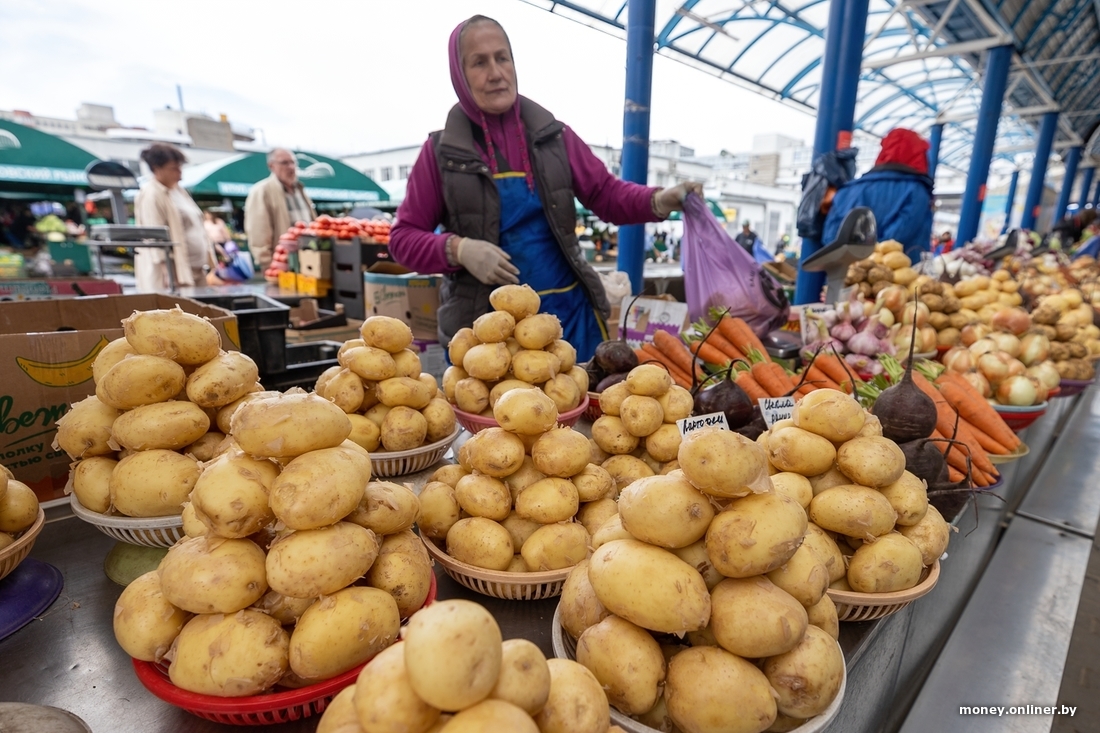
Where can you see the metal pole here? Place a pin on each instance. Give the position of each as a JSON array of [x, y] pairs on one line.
[[639, 84], [841, 13], [1072, 160], [1086, 186], [994, 83], [1034, 201], [935, 137], [1011, 199], [853, 33]]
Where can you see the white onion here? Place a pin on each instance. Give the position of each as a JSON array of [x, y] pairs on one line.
[[1007, 343], [959, 359], [973, 332], [1012, 320], [979, 383], [1034, 348], [1041, 391], [992, 368], [1046, 373], [922, 314], [983, 346], [1018, 391], [1015, 366]]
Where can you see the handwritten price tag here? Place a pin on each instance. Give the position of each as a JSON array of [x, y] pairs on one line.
[[713, 420], [775, 409]]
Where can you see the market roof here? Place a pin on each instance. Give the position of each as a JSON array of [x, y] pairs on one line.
[[325, 179], [922, 60], [32, 161]]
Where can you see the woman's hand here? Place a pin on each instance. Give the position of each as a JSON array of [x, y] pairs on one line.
[[486, 261], [672, 198]]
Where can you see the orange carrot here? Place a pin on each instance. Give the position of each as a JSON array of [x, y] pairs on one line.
[[781, 373], [640, 353], [969, 403], [720, 342], [709, 353], [946, 418], [652, 353], [821, 379], [752, 389], [805, 389], [741, 336], [840, 373], [955, 475], [767, 379], [987, 443], [675, 350]]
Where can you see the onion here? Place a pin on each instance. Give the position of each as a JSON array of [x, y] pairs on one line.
[[1034, 348], [992, 368], [922, 314], [886, 317], [979, 382], [928, 340], [893, 298], [973, 332], [1015, 366], [1041, 391], [959, 359], [1013, 320], [1017, 391], [1046, 373], [983, 346], [1007, 343]]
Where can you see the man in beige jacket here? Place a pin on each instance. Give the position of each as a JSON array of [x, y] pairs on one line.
[[273, 205]]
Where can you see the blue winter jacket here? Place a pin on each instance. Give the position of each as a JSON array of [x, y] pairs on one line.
[[901, 201]]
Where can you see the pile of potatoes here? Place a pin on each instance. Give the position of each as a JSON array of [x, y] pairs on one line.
[[636, 436], [887, 265], [523, 497], [511, 347], [452, 673], [18, 508], [162, 394], [377, 382], [296, 567], [1067, 321]]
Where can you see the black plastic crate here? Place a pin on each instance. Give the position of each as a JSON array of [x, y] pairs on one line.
[[262, 323], [304, 363]]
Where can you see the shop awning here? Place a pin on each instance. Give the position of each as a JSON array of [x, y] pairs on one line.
[[37, 162], [325, 179]]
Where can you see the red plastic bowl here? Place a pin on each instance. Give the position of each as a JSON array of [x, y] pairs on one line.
[[477, 423], [594, 411], [267, 709]]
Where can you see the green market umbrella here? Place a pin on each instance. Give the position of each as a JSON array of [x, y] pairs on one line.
[[325, 179], [711, 204], [35, 162]]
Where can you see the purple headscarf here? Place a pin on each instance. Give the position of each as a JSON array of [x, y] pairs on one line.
[[504, 131]]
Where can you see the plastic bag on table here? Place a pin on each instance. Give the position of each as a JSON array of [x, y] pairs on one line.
[[233, 264], [719, 273]]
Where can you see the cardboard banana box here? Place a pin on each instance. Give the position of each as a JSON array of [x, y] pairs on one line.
[[46, 352]]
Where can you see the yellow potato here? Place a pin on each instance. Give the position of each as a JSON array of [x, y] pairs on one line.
[[314, 562], [753, 618], [484, 496], [567, 355], [224, 416], [538, 331], [523, 477], [555, 546], [232, 655], [548, 501], [799, 451], [341, 354], [85, 430], [755, 534], [576, 704], [535, 367], [611, 435], [648, 380], [561, 452], [224, 379], [288, 426], [823, 615], [140, 380], [192, 527], [451, 377], [145, 623], [213, 575], [891, 563], [471, 395], [345, 390], [909, 497], [676, 404], [580, 378], [873, 461], [284, 609], [663, 444], [853, 511], [709, 689], [385, 699], [153, 483], [377, 415], [520, 301], [319, 488], [564, 391], [388, 334], [833, 415], [439, 509], [206, 447], [829, 479], [808, 677], [493, 327], [365, 433], [403, 428], [386, 508], [524, 677], [111, 354], [721, 463], [696, 556], [625, 470], [172, 334], [827, 551], [504, 386], [579, 606], [440, 418], [594, 514], [641, 416], [794, 485], [91, 483], [627, 662], [405, 391], [526, 412], [231, 496], [167, 425], [448, 474], [593, 483], [649, 586], [340, 715], [463, 340], [494, 452], [480, 542], [803, 576], [453, 654], [666, 511], [611, 399], [491, 715], [487, 361], [341, 631], [931, 535], [407, 576], [371, 363]]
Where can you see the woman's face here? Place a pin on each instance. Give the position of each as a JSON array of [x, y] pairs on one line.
[[487, 62], [169, 174]]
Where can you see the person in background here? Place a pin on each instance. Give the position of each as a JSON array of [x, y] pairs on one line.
[[216, 230], [163, 202], [1070, 230], [747, 238], [501, 178], [899, 192], [945, 244], [273, 205]]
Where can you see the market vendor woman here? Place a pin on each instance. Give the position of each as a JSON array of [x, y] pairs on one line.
[[499, 181]]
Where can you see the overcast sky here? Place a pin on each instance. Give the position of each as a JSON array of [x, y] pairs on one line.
[[339, 76]]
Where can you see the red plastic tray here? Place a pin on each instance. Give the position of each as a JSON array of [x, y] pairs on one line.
[[267, 709], [477, 423], [1019, 418]]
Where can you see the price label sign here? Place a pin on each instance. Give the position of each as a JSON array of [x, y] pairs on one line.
[[713, 420], [775, 409]]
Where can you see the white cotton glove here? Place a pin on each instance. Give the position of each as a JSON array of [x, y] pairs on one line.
[[672, 198], [486, 261]]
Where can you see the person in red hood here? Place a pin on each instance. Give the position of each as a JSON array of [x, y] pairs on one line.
[[898, 190]]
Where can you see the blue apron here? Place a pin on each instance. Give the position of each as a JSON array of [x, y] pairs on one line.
[[526, 236]]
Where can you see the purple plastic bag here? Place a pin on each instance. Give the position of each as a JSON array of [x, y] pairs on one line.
[[719, 273]]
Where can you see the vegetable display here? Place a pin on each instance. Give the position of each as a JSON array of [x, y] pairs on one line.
[[18, 508]]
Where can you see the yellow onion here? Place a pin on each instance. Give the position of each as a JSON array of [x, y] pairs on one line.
[[983, 346], [1007, 343], [1012, 320], [1046, 373], [993, 367], [979, 383], [1034, 348], [959, 359], [973, 332], [1018, 391], [921, 311]]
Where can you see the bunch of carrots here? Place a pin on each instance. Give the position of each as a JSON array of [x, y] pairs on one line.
[[729, 339], [671, 352]]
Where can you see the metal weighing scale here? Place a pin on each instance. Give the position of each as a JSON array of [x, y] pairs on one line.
[[114, 178], [854, 242]]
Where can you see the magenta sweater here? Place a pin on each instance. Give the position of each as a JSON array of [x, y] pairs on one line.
[[414, 244]]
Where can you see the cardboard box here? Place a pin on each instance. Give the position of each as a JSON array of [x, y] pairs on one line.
[[433, 357], [391, 290], [315, 264], [650, 314], [312, 286], [49, 347], [288, 281], [48, 289], [338, 333]]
